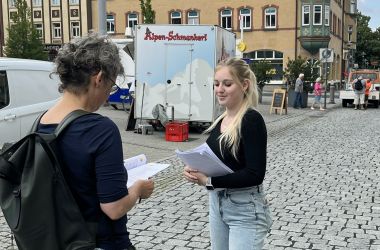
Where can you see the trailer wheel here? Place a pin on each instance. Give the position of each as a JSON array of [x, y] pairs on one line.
[[344, 103]]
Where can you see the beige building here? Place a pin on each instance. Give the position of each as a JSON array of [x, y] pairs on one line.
[[57, 21], [274, 30]]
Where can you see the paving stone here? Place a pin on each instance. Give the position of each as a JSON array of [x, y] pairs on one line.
[[323, 193]]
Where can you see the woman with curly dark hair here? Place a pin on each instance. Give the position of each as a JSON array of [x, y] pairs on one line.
[[90, 147]]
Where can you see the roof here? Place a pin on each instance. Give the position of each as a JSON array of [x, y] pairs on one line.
[[19, 64]]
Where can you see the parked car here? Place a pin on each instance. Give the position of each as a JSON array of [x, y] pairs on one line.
[[26, 90]]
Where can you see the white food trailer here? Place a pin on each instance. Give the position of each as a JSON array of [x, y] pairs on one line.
[[175, 68]]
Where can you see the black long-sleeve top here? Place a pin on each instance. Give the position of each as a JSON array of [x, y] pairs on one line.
[[249, 169]]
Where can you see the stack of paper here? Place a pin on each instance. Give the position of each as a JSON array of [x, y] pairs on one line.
[[138, 168], [203, 159]]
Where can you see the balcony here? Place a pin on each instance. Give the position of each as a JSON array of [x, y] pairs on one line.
[[314, 37]]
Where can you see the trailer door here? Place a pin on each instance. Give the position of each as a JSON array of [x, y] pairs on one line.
[[178, 62]]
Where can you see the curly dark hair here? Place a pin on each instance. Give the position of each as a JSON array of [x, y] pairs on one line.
[[80, 59]]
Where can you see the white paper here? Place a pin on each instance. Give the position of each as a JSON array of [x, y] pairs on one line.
[[203, 159], [135, 161], [138, 169]]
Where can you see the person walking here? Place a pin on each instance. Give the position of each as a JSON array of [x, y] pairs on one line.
[[90, 148], [358, 85], [318, 87], [238, 210], [298, 91], [368, 88]]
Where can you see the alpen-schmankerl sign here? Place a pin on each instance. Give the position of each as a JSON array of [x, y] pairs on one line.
[[172, 36]]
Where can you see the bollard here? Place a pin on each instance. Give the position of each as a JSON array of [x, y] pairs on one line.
[[332, 92]]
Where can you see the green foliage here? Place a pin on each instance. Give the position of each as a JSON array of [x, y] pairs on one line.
[[148, 13], [301, 65], [262, 70], [23, 40], [368, 42]]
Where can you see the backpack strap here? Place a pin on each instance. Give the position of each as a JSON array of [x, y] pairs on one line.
[[68, 119], [36, 122]]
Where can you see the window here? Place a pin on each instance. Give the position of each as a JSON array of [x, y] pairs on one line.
[[110, 24], [12, 3], [132, 20], [175, 17], [37, 2], [327, 15], [74, 2], [4, 90], [353, 7], [317, 15], [38, 27], [274, 58], [75, 29], [55, 2], [306, 15], [339, 24], [192, 17], [56, 30], [226, 19], [270, 17], [350, 33], [245, 18]]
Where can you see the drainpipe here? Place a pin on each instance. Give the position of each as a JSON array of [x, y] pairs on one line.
[[102, 17], [296, 32], [341, 53]]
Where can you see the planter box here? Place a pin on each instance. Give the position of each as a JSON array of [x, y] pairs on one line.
[[292, 96]]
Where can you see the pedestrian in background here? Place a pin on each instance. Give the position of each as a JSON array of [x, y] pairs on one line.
[[358, 86], [318, 87], [238, 210], [298, 91], [368, 88], [90, 147]]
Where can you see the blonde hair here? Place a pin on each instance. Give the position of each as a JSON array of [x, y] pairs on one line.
[[240, 72]]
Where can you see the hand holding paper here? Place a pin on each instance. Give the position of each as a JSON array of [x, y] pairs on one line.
[[203, 159], [138, 168]]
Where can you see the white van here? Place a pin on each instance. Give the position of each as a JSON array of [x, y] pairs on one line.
[[26, 90]]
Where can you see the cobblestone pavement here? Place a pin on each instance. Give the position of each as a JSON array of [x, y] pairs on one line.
[[322, 183]]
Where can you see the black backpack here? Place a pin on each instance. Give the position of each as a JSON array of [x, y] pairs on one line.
[[36, 201], [358, 85]]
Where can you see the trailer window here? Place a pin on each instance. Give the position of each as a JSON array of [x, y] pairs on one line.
[[4, 90]]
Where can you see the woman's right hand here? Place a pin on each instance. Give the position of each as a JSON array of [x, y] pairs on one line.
[[146, 188]]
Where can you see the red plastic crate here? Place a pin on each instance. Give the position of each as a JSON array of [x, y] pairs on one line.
[[177, 131]]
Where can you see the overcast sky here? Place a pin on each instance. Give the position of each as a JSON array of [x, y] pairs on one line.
[[371, 8]]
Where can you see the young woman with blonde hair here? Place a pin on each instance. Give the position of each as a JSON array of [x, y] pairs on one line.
[[239, 213]]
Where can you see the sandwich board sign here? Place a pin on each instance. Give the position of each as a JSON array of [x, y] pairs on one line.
[[279, 101]]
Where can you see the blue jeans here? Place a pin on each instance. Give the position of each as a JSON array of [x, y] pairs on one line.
[[239, 218], [298, 100]]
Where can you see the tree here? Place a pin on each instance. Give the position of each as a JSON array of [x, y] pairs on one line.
[[368, 42], [263, 73], [301, 65], [23, 39], [149, 15]]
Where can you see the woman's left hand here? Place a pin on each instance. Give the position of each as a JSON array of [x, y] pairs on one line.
[[194, 176]]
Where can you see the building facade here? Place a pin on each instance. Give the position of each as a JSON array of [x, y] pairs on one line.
[[274, 30], [57, 21]]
